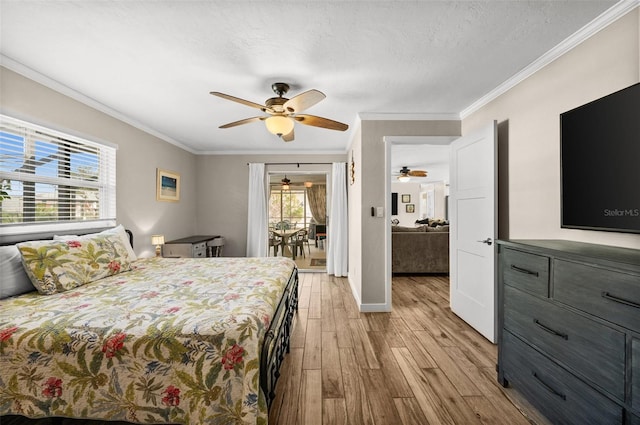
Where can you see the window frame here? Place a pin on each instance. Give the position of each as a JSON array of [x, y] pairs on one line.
[[105, 184]]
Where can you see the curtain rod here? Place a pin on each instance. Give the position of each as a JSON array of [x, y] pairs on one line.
[[296, 163]]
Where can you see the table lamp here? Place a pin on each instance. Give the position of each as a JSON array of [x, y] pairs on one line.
[[157, 240]]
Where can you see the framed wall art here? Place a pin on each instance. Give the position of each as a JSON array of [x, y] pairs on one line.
[[411, 208], [167, 185], [406, 198]]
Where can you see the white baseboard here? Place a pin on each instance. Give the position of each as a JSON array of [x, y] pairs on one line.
[[369, 307], [375, 308]]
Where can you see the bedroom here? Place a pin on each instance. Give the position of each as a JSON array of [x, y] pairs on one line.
[[530, 109]]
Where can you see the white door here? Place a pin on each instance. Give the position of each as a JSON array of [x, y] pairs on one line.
[[473, 217]]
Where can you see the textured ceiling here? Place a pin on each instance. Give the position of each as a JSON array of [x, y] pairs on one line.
[[155, 62]]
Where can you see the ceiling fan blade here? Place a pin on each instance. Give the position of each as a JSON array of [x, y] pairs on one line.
[[303, 101], [320, 122], [238, 100], [244, 121], [418, 173], [288, 137]]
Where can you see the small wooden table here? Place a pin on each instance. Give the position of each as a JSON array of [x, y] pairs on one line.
[[192, 246]]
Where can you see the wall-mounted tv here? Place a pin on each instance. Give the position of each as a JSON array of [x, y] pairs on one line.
[[600, 160]]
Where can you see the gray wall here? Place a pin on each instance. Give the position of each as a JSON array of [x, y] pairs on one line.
[[222, 188], [369, 273], [138, 156]]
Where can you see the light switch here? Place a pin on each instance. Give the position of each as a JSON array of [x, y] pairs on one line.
[[380, 212]]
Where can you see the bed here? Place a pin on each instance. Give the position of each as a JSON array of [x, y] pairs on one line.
[[172, 340]]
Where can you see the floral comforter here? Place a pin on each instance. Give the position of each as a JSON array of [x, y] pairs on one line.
[[172, 341]]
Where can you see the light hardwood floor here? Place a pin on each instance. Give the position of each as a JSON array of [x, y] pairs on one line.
[[420, 364]]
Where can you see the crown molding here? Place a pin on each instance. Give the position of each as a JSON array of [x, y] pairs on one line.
[[606, 18], [271, 152], [57, 86], [399, 116]]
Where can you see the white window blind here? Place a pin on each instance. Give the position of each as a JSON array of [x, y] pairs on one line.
[[51, 180]]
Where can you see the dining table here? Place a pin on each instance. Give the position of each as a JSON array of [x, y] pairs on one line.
[[285, 235]]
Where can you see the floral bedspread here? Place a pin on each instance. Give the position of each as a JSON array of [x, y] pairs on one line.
[[172, 341]]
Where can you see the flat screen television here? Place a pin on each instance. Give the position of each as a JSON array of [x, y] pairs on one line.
[[600, 163]]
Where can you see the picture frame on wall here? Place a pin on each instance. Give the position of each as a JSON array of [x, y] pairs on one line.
[[410, 208], [406, 198], [167, 185]]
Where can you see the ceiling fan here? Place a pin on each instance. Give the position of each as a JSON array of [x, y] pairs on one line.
[[283, 112], [405, 173]]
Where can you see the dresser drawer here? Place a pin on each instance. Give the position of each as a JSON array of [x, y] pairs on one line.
[[608, 294], [526, 271], [562, 397], [200, 246], [591, 349], [635, 373], [199, 250]]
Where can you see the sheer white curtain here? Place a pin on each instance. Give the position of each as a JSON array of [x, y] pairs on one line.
[[257, 218], [338, 232]]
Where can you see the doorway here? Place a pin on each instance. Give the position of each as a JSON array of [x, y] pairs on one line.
[[428, 153], [297, 204]]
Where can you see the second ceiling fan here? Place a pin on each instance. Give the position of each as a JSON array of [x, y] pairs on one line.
[[283, 113]]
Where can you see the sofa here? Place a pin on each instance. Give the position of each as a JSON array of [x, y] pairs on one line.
[[421, 249]]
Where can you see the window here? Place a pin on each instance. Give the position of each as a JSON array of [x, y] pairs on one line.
[[289, 205], [53, 181]]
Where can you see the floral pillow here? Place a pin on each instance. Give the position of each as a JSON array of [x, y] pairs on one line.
[[57, 266]]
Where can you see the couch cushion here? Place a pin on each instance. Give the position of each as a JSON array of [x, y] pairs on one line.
[[438, 229], [405, 229]]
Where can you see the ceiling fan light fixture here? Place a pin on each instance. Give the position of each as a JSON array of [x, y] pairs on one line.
[[279, 125], [285, 183], [403, 179]]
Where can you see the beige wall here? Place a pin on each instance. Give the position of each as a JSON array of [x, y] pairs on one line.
[[137, 157], [370, 274], [529, 133], [413, 190], [222, 188]]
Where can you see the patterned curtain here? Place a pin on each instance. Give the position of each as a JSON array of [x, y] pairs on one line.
[[317, 197]]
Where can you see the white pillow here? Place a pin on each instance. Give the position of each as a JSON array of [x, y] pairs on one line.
[[118, 230], [14, 279]]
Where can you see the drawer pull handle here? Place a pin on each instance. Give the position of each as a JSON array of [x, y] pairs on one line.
[[548, 387], [551, 331], [620, 300], [525, 271]]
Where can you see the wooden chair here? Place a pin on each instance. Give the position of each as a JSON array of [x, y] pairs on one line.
[[305, 239], [274, 241], [297, 241], [214, 247]]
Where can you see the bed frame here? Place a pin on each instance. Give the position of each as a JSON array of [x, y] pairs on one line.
[[277, 340]]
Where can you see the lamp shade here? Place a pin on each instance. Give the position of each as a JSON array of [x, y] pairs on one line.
[[157, 239], [279, 125]]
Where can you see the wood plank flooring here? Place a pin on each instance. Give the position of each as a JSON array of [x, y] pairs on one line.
[[418, 365]]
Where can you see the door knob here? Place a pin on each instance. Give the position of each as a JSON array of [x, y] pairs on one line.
[[488, 241]]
